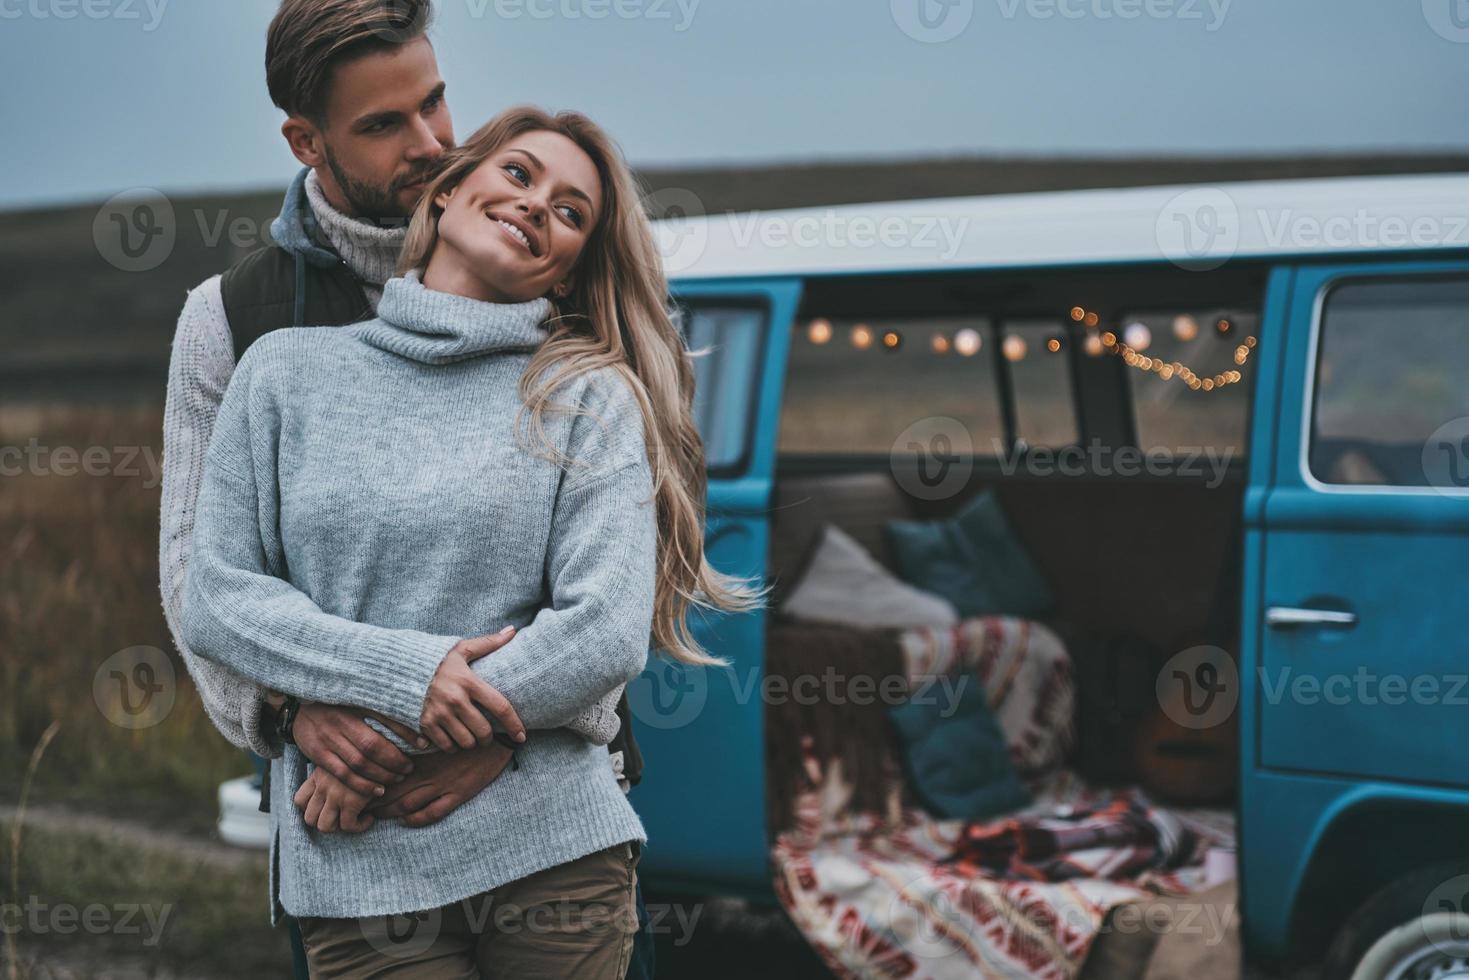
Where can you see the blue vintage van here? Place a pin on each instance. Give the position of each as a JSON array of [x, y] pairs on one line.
[[1286, 367]]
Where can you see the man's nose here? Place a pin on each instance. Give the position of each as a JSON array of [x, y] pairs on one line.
[[426, 145]]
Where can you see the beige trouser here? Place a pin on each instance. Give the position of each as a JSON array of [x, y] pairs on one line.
[[574, 920]]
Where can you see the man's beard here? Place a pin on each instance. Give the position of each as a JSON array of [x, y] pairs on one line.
[[379, 204]]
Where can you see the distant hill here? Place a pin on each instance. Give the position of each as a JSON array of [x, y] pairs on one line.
[[76, 326]]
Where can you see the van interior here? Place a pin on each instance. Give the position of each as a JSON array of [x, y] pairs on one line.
[[1122, 481]]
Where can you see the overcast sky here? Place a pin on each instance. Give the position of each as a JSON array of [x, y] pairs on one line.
[[106, 95]]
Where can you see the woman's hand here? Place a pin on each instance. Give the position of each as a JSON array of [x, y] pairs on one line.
[[441, 784], [331, 805], [452, 716]]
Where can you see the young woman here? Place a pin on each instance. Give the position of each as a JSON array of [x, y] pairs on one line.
[[508, 444]]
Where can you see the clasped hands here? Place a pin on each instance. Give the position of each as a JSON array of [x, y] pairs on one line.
[[361, 776]]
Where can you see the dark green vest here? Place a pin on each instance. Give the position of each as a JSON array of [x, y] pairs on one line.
[[270, 289]]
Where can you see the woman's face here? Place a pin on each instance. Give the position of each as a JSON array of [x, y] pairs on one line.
[[514, 228]]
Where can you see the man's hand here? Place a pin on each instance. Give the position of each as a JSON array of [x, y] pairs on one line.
[[441, 784], [339, 741], [331, 806], [452, 718]]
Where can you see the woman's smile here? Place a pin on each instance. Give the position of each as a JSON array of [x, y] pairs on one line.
[[522, 233]]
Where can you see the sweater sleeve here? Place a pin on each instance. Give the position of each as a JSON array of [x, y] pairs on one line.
[[240, 611], [593, 636], [199, 370]]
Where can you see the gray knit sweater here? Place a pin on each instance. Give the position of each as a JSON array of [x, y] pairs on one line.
[[365, 506]]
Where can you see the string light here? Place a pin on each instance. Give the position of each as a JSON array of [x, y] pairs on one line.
[[861, 336], [1132, 354], [1013, 347], [819, 331], [968, 342], [1054, 345], [892, 340], [939, 343]]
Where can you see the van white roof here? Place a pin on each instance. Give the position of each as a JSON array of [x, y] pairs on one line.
[[1193, 225]]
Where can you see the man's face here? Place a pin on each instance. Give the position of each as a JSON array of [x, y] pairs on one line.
[[386, 125]]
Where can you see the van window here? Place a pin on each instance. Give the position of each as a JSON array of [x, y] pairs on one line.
[[1192, 378], [1036, 352], [724, 378], [854, 386], [1391, 405]]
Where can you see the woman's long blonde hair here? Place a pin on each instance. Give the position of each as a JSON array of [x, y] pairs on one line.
[[616, 315]]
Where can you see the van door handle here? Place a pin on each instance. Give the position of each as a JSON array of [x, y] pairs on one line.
[[1287, 617]]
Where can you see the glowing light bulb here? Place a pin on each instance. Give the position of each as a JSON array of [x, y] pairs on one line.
[[1185, 327], [968, 341], [1137, 336], [1093, 345], [1013, 347], [819, 331], [939, 343], [861, 336]]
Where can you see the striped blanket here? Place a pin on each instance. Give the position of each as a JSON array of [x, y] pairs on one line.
[[896, 893]]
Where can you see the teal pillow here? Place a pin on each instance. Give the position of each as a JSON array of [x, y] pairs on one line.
[[954, 753], [972, 559]]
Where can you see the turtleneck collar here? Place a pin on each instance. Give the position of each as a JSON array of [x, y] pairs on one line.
[[369, 249], [426, 325]]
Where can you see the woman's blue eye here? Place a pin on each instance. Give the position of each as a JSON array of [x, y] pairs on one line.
[[574, 215], [524, 174]]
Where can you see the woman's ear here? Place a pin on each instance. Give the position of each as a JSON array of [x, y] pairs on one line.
[[563, 289], [441, 199]]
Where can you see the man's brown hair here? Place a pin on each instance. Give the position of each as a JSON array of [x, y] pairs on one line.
[[308, 39]]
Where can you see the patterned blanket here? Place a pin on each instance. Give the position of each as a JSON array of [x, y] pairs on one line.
[[896, 893]]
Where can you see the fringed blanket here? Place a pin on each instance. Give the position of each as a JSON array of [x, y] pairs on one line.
[[888, 891]]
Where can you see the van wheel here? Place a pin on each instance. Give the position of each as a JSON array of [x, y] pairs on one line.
[[1416, 928]]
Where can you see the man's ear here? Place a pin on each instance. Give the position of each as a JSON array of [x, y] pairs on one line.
[[305, 141]]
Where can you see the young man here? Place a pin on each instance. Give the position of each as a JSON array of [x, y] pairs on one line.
[[367, 117]]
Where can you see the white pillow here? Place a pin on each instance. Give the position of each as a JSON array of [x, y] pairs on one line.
[[846, 585]]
